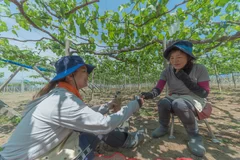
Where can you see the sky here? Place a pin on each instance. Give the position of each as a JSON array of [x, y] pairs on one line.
[[104, 5]]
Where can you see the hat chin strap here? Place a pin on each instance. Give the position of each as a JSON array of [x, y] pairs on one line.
[[75, 82]]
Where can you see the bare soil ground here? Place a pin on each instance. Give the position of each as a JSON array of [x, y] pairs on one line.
[[224, 121]]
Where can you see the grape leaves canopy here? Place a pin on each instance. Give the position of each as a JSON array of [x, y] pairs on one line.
[[120, 40]]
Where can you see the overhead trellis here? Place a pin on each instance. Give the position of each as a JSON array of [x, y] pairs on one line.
[[36, 68], [26, 66]]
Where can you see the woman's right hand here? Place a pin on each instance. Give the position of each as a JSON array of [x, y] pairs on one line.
[[147, 95]]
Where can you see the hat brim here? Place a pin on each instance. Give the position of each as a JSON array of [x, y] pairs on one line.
[[89, 68], [168, 50], [71, 70]]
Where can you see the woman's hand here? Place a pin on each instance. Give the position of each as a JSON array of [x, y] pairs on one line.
[[115, 104], [147, 95], [150, 95], [141, 101]]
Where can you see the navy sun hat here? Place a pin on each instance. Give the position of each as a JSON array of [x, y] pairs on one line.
[[183, 45], [68, 64]]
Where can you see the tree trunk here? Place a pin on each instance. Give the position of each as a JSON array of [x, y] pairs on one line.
[[130, 85], [22, 86], [217, 77], [92, 96], [165, 62], [138, 78], [104, 85]]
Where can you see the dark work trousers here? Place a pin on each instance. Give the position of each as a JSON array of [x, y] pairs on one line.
[[88, 142], [183, 109]]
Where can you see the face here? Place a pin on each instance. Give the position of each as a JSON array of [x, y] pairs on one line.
[[178, 59], [81, 77]]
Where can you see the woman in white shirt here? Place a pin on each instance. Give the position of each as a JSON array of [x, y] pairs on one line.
[[58, 125]]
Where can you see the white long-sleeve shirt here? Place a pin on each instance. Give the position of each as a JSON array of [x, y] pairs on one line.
[[50, 119]]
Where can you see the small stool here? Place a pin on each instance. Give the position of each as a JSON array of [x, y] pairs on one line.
[[214, 139]]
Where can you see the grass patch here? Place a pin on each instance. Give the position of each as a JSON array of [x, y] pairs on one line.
[[146, 112], [220, 98], [15, 120], [226, 141], [6, 120], [235, 127]]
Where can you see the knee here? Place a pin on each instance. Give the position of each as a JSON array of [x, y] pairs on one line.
[[164, 104], [178, 105]]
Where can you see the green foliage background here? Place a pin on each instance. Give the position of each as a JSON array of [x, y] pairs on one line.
[[118, 42]]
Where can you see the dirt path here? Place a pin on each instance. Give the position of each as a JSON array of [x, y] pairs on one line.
[[225, 122]]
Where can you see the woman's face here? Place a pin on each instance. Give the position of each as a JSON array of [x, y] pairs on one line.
[[178, 59], [81, 78]]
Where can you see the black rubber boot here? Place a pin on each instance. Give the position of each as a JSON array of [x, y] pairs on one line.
[[195, 145], [160, 131], [164, 108]]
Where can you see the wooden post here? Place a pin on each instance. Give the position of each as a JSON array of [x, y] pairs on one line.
[[92, 96], [67, 44], [165, 61], [125, 81], [10, 78], [138, 78], [22, 86], [217, 77], [36, 69]]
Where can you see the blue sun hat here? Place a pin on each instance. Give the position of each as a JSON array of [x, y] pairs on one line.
[[68, 64], [183, 45]]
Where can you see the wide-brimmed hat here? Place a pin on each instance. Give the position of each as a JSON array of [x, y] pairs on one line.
[[183, 45], [68, 64]]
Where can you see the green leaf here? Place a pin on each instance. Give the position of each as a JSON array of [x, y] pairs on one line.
[[5, 9], [83, 30], [221, 3], [104, 37], [3, 26], [152, 8], [14, 32], [96, 6], [4, 42], [111, 35], [7, 2], [231, 7], [116, 17], [237, 28], [91, 40], [72, 27], [217, 11]]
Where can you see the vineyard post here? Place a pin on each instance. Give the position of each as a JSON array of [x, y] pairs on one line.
[[10, 78]]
